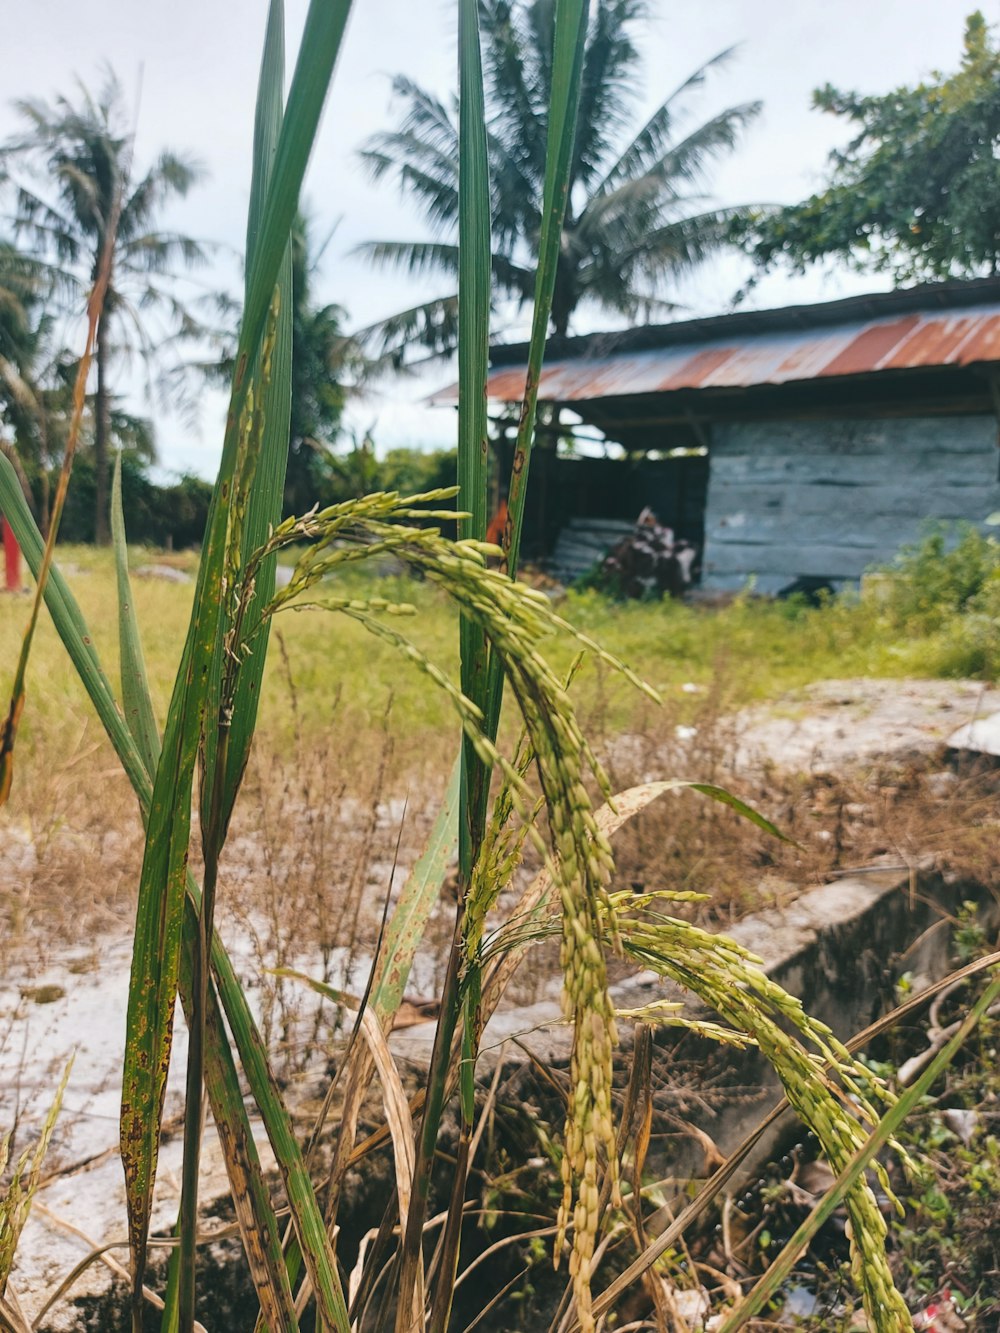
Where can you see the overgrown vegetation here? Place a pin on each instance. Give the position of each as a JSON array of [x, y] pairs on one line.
[[915, 191], [948, 1241], [947, 587]]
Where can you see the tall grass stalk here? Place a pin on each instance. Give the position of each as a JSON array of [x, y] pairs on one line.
[[473, 452]]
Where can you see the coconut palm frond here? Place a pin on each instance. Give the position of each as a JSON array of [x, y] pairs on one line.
[[637, 200]]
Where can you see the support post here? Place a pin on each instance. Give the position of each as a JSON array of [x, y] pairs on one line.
[[12, 559]]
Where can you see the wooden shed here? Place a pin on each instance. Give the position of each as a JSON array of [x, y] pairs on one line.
[[833, 431]]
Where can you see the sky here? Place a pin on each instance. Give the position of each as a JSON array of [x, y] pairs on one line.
[[191, 67]]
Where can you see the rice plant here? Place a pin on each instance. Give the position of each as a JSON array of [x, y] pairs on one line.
[[493, 806], [15, 1202]]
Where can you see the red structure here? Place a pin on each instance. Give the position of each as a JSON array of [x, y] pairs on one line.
[[12, 559]]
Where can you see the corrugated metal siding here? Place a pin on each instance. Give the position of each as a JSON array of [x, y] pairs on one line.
[[917, 341]]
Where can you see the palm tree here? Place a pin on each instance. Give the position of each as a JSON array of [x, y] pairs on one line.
[[18, 340], [637, 218], [26, 363], [318, 366], [76, 160]]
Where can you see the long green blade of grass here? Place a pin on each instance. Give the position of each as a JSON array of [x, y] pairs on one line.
[[567, 66], [473, 363], [136, 699], [263, 504], [482, 680], [237, 664], [569, 29], [474, 279], [78, 641], [153, 983]]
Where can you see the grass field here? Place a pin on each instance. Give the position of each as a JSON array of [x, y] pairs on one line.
[[349, 731], [343, 678]]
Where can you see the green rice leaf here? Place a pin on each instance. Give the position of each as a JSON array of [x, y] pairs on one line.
[[235, 670], [135, 685], [419, 897], [474, 280], [567, 66], [262, 506], [156, 950]]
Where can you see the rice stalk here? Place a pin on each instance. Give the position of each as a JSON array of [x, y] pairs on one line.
[[196, 709], [835, 1105], [250, 1046], [228, 1110], [513, 619], [15, 1203]]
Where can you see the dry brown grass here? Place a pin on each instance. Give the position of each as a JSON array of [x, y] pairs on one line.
[[903, 810], [355, 767]]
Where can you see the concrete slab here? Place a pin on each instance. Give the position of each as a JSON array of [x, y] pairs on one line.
[[981, 736]]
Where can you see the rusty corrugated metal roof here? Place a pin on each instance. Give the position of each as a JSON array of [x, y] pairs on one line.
[[918, 340]]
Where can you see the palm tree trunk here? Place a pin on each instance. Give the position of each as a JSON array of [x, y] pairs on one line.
[[102, 430], [44, 509]]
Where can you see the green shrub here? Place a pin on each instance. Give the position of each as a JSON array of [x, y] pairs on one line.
[[943, 575], [166, 516]]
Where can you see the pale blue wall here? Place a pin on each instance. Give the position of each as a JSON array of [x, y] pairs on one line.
[[831, 498]]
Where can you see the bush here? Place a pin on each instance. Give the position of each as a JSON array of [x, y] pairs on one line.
[[947, 588], [175, 516], [168, 516], [943, 575]]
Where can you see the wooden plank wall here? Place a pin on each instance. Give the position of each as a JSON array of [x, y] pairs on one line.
[[829, 499]]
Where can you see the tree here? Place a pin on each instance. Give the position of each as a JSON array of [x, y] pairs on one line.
[[20, 335], [318, 394], [70, 173], [35, 378], [638, 216], [916, 193]]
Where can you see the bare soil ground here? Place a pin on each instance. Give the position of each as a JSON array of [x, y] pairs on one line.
[[836, 725]]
